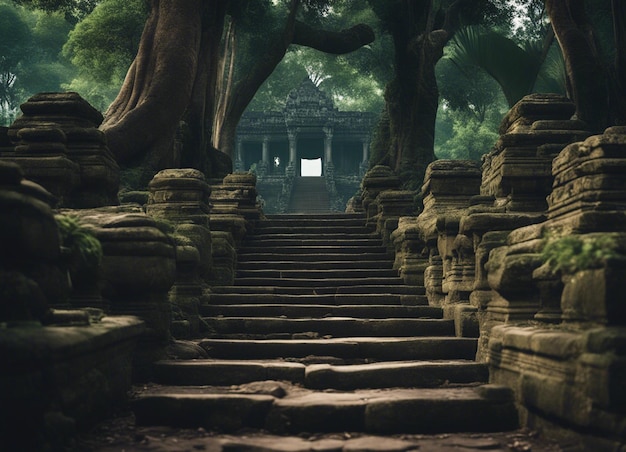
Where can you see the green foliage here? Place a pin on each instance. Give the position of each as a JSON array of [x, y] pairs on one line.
[[86, 250], [574, 252], [30, 44], [471, 90], [519, 69], [355, 80], [513, 67], [468, 137], [73, 10], [15, 44], [103, 46]]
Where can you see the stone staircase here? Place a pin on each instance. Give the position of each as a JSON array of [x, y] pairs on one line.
[[319, 334], [309, 195]]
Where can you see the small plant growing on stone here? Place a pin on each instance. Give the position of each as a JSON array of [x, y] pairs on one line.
[[84, 249], [572, 253]]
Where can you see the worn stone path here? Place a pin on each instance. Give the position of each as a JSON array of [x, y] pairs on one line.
[[318, 337]]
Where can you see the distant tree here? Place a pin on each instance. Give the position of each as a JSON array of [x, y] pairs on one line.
[[73, 10], [30, 43], [469, 89], [102, 47], [471, 108], [15, 44], [467, 137]]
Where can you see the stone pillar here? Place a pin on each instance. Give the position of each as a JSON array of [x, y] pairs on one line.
[[293, 145], [448, 188], [239, 155], [263, 167], [365, 162], [366, 150], [328, 146], [266, 150], [293, 152]]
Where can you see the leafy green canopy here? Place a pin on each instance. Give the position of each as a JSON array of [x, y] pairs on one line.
[[30, 61], [73, 10], [104, 44]]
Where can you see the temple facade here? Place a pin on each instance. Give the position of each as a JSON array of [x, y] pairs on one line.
[[310, 127], [310, 137]]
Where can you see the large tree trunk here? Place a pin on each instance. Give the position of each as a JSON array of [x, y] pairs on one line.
[[412, 96], [225, 121], [618, 92], [586, 76], [412, 100], [144, 117], [197, 151]]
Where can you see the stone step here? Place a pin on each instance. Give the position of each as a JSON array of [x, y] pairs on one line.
[[405, 374], [374, 348], [267, 256], [326, 250], [400, 374], [217, 372], [259, 235], [462, 409], [311, 240], [305, 228], [319, 299], [315, 265], [379, 311], [355, 218], [315, 221], [319, 282], [359, 289], [325, 274], [224, 327]]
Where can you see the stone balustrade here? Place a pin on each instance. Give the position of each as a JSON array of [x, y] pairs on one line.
[[556, 338]]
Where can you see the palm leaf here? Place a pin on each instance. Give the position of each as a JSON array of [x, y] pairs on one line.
[[513, 67]]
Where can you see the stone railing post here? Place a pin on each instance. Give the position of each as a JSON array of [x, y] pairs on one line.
[[376, 180], [393, 204], [138, 271], [181, 197], [448, 188]]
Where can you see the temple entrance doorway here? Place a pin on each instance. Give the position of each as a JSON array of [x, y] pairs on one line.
[[311, 167]]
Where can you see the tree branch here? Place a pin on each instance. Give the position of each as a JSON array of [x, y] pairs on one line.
[[335, 42]]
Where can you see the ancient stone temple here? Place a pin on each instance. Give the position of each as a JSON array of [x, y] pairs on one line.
[[310, 138]]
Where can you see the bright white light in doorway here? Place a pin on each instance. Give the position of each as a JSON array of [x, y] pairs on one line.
[[311, 167]]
